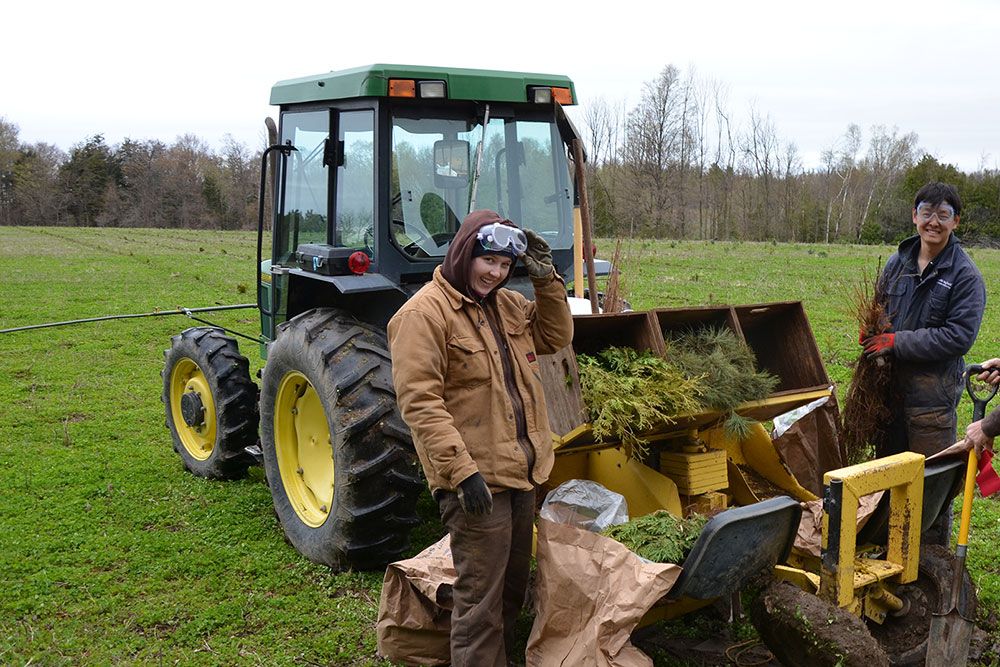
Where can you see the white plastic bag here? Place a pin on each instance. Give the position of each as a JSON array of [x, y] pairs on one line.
[[784, 421], [585, 504]]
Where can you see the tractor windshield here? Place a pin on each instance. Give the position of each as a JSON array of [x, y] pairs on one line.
[[524, 176]]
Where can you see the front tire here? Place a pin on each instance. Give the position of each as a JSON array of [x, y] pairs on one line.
[[210, 403], [338, 458], [904, 637]]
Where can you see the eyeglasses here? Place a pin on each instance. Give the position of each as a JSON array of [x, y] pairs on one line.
[[926, 211], [498, 237]]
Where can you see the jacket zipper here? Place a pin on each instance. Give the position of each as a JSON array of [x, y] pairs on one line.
[[517, 403]]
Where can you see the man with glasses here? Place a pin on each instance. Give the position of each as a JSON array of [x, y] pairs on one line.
[[934, 297], [466, 371]]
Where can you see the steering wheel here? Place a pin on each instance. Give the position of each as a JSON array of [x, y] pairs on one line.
[[415, 246]]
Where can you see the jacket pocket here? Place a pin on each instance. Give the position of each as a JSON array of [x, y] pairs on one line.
[[468, 362], [521, 340], [937, 304]]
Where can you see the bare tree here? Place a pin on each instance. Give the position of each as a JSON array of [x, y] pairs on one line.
[[889, 156], [760, 153], [841, 160], [653, 132]]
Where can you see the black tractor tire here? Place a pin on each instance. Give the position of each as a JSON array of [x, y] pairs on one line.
[[904, 637], [210, 403], [337, 455], [802, 629]]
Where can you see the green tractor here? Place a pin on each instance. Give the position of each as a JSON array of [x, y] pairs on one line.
[[372, 171]]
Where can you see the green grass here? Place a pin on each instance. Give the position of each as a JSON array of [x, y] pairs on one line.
[[111, 553]]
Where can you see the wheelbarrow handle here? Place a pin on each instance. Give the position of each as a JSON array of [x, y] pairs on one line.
[[978, 402]]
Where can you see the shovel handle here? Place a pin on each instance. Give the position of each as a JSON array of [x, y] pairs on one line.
[[978, 402], [970, 485]]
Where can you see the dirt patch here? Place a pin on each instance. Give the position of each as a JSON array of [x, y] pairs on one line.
[[802, 629]]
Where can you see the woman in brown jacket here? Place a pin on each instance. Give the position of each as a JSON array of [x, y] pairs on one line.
[[465, 368]]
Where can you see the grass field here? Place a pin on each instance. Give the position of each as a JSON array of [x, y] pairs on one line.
[[111, 553]]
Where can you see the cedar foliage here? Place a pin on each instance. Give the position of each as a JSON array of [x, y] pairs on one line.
[[660, 537], [866, 413], [728, 368], [628, 392]]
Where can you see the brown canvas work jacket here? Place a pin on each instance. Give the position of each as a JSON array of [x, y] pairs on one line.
[[454, 389]]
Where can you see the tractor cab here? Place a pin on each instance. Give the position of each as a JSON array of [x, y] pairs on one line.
[[377, 166]]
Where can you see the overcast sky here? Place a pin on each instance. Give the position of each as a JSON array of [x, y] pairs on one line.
[[159, 70]]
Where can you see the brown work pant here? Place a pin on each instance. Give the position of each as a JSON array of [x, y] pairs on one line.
[[926, 431], [492, 556]]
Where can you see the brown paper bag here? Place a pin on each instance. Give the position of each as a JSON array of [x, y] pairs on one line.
[[811, 447], [590, 593], [414, 612], [809, 537]]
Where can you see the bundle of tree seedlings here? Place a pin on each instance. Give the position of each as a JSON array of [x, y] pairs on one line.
[[728, 369], [866, 412], [628, 393], [660, 537]]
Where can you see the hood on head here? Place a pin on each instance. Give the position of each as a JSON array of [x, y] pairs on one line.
[[458, 259]]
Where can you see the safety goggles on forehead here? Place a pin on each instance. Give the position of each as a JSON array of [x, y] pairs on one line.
[[500, 237], [943, 211]]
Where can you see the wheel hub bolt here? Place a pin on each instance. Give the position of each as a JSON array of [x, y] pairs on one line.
[[192, 409]]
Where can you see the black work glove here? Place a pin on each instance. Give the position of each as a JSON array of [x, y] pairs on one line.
[[538, 257], [474, 496]]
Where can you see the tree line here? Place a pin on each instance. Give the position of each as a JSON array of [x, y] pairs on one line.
[[131, 184], [677, 164]]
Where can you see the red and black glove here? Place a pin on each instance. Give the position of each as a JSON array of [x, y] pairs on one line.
[[879, 345]]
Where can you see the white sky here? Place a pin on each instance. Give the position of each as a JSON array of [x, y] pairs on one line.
[[160, 70]]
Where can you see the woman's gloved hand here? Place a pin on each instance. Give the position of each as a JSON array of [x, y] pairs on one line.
[[538, 256], [474, 496]]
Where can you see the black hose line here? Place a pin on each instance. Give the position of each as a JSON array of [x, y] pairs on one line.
[[159, 313]]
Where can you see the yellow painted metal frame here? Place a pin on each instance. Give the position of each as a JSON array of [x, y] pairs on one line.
[[645, 489], [304, 449], [187, 376], [902, 475]]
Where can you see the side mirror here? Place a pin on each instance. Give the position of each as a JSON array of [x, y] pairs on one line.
[[451, 163]]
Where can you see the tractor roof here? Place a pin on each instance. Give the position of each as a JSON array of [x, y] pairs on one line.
[[373, 81]]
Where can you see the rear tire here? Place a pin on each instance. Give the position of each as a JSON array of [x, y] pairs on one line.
[[904, 637], [338, 458], [210, 403]]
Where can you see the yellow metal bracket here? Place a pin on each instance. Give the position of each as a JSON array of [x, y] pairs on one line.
[[902, 475]]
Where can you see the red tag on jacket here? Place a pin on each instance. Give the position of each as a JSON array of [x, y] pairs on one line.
[[531, 356]]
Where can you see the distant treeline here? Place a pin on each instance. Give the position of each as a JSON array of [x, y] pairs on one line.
[[132, 184], [674, 165]]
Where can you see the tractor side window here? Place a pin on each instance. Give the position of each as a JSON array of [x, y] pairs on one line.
[[303, 216], [355, 226]]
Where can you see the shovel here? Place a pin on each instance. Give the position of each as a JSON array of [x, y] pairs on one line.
[[951, 632]]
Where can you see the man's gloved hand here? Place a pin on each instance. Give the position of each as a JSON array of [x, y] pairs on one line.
[[538, 257], [879, 345], [474, 496]]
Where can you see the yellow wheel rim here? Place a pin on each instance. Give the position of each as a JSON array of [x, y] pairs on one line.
[[187, 376], [303, 448]]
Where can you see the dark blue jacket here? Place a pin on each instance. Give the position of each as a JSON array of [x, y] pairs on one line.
[[936, 318]]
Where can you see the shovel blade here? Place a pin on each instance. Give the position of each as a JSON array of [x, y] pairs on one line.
[[949, 639]]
